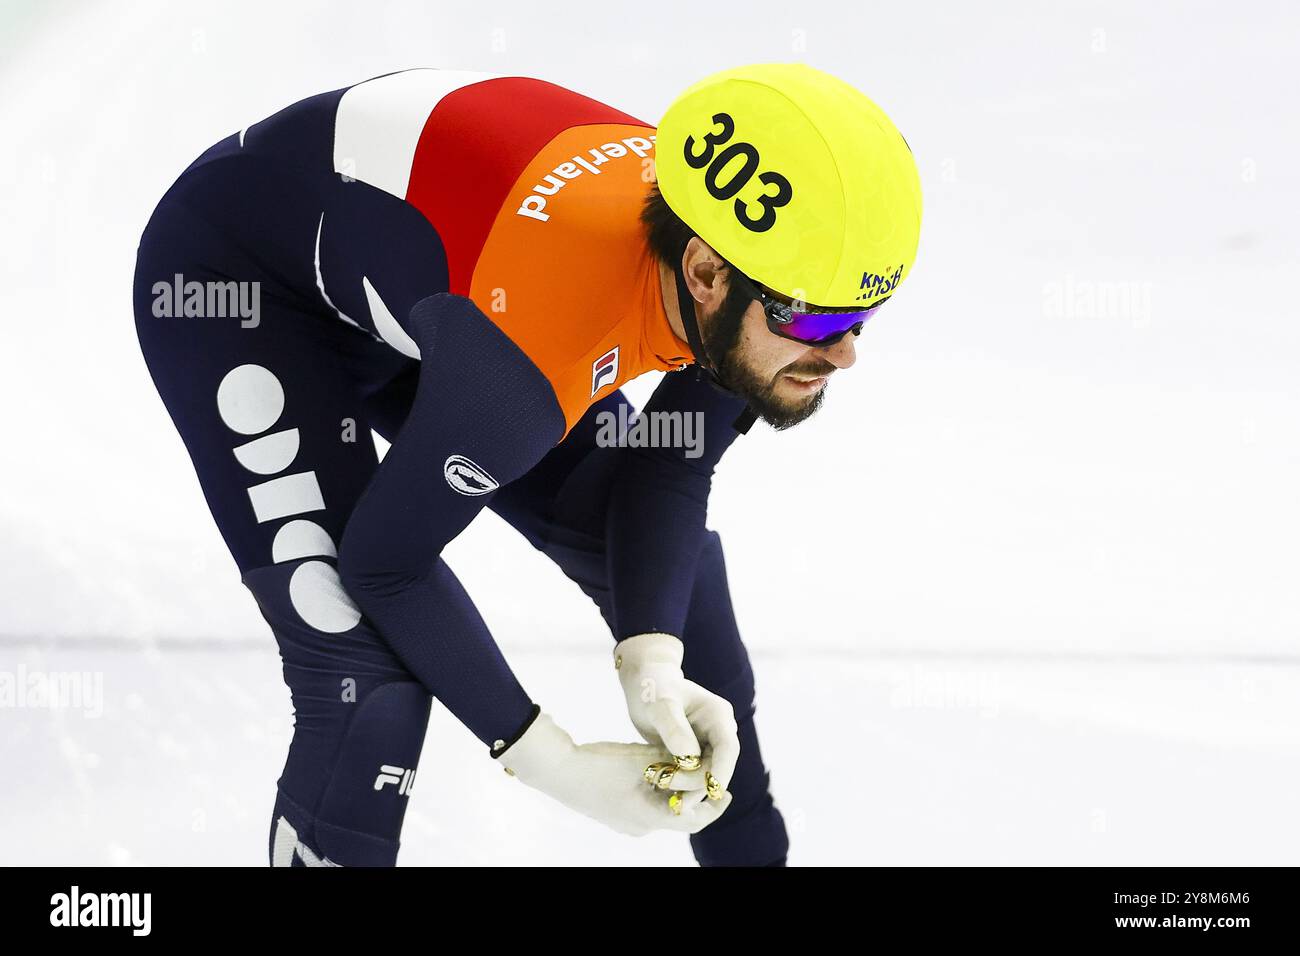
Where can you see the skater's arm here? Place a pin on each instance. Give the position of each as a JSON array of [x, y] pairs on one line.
[[482, 416], [655, 525]]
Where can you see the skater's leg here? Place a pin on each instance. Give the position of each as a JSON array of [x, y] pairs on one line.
[[273, 418], [752, 831], [359, 724]]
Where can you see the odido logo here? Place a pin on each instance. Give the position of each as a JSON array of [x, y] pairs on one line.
[[714, 162]]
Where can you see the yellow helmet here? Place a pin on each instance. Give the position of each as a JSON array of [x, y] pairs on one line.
[[797, 179]]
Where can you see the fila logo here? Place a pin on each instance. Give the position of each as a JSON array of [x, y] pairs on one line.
[[604, 370], [467, 477], [404, 780]]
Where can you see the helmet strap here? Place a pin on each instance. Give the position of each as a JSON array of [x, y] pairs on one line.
[[704, 364], [686, 308]]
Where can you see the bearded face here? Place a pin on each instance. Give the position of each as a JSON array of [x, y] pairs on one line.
[[783, 381]]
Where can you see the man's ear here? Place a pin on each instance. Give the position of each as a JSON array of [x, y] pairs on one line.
[[699, 253]]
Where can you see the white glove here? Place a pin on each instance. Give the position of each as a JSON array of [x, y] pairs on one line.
[[604, 781], [675, 713]]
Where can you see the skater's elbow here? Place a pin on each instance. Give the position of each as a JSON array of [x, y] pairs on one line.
[[367, 580]]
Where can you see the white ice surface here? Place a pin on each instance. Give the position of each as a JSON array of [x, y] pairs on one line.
[[1093, 511], [922, 760]]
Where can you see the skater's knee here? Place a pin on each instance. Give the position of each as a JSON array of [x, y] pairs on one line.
[[345, 803]]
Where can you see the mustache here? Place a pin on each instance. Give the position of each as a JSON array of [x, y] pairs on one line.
[[815, 370]]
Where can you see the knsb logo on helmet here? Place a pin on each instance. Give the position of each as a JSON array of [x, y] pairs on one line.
[[877, 285]]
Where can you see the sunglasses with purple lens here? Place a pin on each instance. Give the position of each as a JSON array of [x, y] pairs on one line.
[[808, 327]]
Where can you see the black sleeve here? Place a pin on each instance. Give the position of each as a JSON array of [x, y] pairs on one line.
[[656, 521], [483, 415]]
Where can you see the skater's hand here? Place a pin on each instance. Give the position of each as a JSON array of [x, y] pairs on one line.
[[678, 715], [604, 781]]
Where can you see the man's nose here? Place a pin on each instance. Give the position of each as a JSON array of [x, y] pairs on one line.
[[842, 354]]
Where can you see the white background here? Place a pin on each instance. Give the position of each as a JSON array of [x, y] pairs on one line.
[[1025, 591]]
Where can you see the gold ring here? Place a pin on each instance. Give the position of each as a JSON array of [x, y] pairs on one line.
[[712, 788], [660, 775], [690, 762], [675, 803]]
